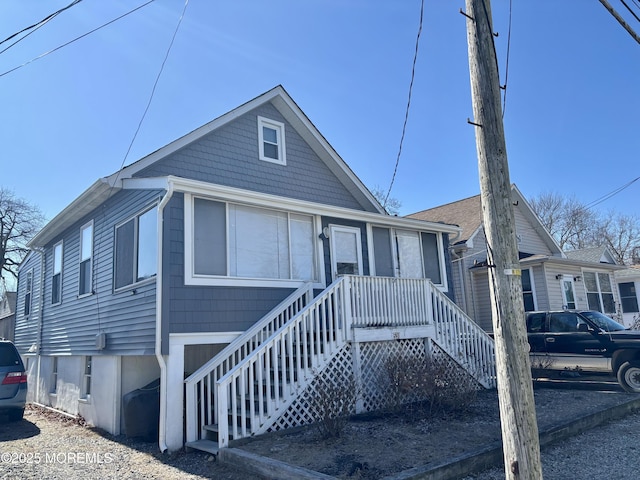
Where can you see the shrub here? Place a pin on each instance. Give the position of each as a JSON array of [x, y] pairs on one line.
[[430, 386], [333, 402]]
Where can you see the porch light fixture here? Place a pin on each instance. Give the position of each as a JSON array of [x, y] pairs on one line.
[[577, 278], [559, 276], [325, 234]]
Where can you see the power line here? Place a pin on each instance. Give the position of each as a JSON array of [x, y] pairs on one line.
[[406, 115], [76, 39], [630, 11], [611, 194], [620, 20], [155, 84], [36, 25]]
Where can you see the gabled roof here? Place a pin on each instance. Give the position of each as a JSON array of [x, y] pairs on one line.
[[105, 187], [467, 214], [600, 254], [7, 304]]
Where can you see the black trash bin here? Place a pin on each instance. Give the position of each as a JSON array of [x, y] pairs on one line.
[[142, 412]]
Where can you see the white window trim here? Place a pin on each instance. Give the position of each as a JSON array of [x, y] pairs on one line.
[[28, 291], [533, 288], [613, 292], [279, 128], [443, 286], [192, 278], [136, 283], [90, 292], [333, 229], [53, 269]]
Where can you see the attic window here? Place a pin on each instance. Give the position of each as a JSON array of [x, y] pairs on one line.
[[271, 139]]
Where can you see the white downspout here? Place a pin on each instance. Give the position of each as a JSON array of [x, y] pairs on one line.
[[40, 306], [162, 426]]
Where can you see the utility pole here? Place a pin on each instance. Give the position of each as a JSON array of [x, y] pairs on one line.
[[520, 441]]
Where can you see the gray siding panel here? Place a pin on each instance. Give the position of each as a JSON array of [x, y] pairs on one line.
[[127, 317], [229, 156]]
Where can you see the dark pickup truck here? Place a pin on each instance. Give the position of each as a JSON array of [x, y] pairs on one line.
[[584, 340]]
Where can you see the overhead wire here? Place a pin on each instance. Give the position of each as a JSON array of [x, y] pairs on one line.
[[630, 10], [36, 26], [155, 84], [144, 114], [406, 115], [76, 39], [598, 201]]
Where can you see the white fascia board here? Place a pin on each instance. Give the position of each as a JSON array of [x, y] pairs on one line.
[[538, 227], [299, 120], [294, 115], [232, 194], [90, 199], [129, 171], [569, 262]]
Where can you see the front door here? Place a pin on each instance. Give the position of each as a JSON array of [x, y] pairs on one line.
[[346, 251], [568, 293]]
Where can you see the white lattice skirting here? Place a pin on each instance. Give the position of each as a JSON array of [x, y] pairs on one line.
[[362, 366]]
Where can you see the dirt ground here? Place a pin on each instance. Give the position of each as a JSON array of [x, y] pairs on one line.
[[373, 447]]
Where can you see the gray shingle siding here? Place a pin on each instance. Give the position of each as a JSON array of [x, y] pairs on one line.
[[229, 156], [127, 316], [189, 308]]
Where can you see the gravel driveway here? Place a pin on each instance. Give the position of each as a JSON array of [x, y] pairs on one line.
[[48, 445], [609, 451]]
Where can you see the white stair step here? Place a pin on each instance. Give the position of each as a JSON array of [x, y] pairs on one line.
[[204, 445]]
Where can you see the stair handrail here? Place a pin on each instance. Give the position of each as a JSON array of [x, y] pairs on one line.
[[340, 320], [463, 339], [243, 339], [232, 354]]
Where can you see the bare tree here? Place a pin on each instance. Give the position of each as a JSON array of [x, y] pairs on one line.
[[575, 226], [570, 222], [621, 233], [390, 204], [19, 222]]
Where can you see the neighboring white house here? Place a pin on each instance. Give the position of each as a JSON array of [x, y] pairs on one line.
[[628, 281], [551, 278]]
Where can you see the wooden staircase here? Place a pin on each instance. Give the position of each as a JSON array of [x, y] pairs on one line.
[[255, 381]]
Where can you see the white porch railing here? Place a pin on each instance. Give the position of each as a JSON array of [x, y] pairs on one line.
[[463, 339], [257, 377], [201, 392], [270, 377]]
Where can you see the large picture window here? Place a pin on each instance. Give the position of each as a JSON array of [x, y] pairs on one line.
[[254, 243], [418, 255], [599, 292], [136, 249]]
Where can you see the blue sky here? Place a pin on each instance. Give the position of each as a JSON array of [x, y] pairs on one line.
[[571, 118]]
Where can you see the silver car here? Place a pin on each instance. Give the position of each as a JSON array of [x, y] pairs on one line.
[[13, 382]]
